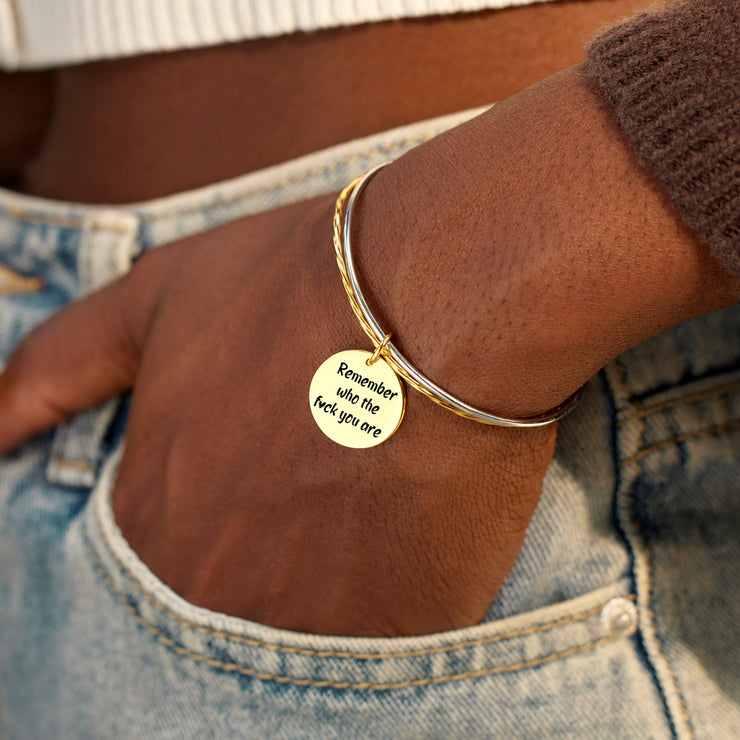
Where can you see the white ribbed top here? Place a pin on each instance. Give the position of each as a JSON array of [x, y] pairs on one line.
[[44, 33]]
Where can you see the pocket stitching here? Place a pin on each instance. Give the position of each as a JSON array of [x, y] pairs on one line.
[[326, 683], [688, 436], [719, 391], [252, 642], [651, 634]]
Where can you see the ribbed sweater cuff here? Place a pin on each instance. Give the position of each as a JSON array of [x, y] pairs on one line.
[[43, 33], [672, 76]]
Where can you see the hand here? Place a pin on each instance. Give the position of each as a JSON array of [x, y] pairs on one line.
[[227, 489]]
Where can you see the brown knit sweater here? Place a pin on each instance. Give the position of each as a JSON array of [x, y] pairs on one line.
[[672, 75]]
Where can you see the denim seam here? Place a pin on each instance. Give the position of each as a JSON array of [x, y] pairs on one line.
[[642, 557], [326, 683], [535, 629], [658, 642], [716, 429], [28, 215], [692, 398]]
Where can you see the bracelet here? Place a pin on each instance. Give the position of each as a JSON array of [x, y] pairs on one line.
[[337, 413]]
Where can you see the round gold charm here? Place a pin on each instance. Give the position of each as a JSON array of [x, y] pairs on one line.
[[356, 404]]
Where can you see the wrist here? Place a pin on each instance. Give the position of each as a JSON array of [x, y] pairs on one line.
[[517, 254]]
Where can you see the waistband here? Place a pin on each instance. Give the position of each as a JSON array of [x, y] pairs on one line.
[[152, 223], [75, 248]]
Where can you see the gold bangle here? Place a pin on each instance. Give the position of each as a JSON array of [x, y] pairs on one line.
[[418, 381]]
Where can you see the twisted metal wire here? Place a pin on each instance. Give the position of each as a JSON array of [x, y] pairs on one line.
[[381, 340]]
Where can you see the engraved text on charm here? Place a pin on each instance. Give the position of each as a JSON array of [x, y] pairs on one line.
[[356, 404]]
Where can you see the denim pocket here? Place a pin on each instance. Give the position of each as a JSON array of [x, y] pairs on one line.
[[544, 673]]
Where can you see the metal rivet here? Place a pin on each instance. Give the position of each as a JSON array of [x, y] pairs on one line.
[[619, 616]]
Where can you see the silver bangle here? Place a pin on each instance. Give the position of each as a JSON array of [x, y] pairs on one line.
[[402, 366]]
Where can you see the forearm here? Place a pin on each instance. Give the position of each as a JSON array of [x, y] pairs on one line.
[[516, 255], [672, 76]]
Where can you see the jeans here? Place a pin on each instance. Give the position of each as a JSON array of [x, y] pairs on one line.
[[619, 618]]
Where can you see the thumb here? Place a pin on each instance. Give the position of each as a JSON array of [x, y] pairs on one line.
[[83, 355]]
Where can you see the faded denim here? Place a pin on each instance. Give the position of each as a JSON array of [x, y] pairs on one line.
[[619, 619]]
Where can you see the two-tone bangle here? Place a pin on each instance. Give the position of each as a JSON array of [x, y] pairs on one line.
[[356, 396]]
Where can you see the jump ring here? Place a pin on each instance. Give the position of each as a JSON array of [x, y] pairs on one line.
[[378, 350]]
